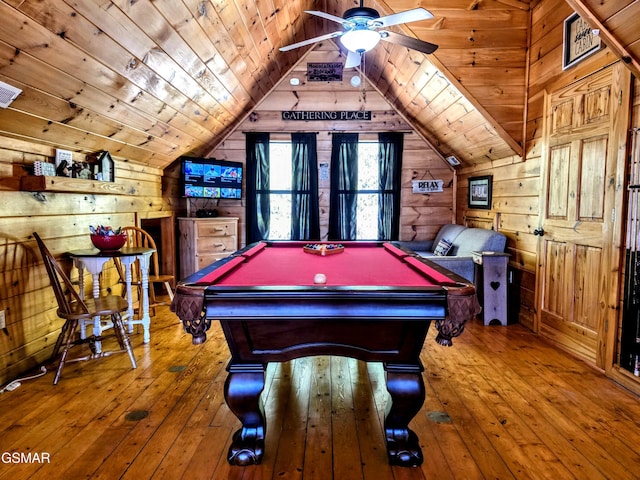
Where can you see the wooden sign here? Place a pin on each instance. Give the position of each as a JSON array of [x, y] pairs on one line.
[[317, 115], [427, 186], [324, 72], [579, 42]]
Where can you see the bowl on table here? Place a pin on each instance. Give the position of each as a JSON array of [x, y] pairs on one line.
[[109, 243]]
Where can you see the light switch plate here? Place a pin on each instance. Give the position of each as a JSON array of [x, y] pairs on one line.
[[3, 322]]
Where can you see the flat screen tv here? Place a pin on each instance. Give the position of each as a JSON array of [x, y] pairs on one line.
[[211, 178]]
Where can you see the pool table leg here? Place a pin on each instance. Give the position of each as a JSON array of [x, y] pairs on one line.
[[406, 387], [242, 391]]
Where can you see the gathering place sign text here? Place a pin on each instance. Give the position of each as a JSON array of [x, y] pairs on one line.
[[316, 115]]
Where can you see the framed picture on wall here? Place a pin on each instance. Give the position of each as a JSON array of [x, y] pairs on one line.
[[579, 41], [480, 192]]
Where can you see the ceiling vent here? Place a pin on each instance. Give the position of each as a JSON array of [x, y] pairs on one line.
[[8, 94], [453, 161]]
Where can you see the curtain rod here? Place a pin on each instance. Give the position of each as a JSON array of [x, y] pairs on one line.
[[331, 132], [244, 132]]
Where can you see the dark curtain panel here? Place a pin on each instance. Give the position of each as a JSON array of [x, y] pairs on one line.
[[305, 210], [344, 184], [258, 208], [390, 164]]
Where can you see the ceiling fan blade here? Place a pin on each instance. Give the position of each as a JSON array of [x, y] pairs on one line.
[[402, 17], [409, 42], [310, 41], [353, 59], [328, 16]]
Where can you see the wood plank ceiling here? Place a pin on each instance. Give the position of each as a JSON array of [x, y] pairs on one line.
[[152, 80], [468, 97], [619, 24]]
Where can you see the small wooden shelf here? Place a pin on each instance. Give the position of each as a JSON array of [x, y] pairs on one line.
[[41, 183]]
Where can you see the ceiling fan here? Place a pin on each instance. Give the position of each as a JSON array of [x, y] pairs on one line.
[[361, 31]]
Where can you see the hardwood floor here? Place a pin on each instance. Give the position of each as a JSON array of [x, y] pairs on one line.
[[501, 404]]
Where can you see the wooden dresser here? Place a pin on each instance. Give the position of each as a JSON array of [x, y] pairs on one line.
[[205, 240]]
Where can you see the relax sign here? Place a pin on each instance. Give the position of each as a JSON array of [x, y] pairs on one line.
[[427, 186]]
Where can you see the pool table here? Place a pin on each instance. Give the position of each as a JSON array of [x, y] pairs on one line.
[[375, 304]]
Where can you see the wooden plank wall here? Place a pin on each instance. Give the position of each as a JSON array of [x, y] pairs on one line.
[[516, 180], [421, 215], [62, 220]]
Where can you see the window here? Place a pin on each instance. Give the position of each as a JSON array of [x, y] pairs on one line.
[[365, 187], [367, 200], [282, 188]]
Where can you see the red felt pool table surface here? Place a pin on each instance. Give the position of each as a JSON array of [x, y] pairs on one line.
[[360, 264]]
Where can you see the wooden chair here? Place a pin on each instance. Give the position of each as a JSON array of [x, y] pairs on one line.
[[137, 237], [73, 309]]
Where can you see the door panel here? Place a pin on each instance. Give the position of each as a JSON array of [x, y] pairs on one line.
[[554, 297], [591, 197], [559, 181], [587, 286]]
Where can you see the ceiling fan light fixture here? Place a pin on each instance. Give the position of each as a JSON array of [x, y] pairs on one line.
[[360, 39], [360, 31]]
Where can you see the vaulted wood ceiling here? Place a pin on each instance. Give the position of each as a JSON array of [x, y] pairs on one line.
[[153, 80], [468, 97]]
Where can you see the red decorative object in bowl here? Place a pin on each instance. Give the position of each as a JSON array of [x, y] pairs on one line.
[[109, 243]]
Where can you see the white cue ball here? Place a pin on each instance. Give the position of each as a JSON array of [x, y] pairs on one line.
[[319, 278]]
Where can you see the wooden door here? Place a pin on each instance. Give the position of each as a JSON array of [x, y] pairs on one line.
[[581, 216]]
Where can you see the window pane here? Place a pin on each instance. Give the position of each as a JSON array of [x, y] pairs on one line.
[[280, 166], [280, 226], [367, 205], [367, 220], [368, 166], [280, 179]]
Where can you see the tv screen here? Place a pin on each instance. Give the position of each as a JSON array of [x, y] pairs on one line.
[[211, 178]]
